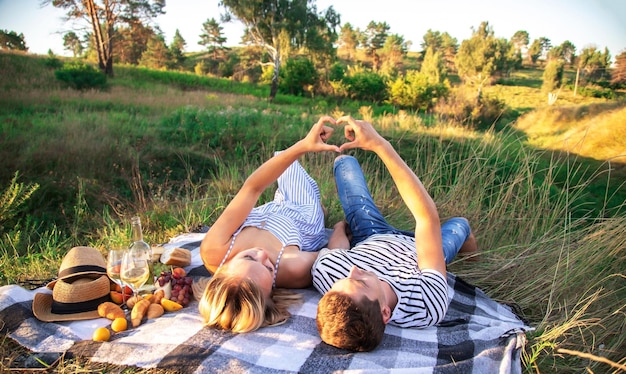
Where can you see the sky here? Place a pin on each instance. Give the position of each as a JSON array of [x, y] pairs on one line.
[[601, 23]]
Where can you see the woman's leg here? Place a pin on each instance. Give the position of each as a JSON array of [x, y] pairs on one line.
[[362, 215]]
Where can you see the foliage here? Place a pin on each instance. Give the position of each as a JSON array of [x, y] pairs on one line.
[[157, 55], [53, 62], [104, 17], [212, 38], [553, 75], [72, 43], [618, 74], [279, 26], [365, 85], [481, 56], [81, 76], [12, 40], [433, 67], [12, 200], [594, 64], [463, 106], [416, 90], [298, 76]]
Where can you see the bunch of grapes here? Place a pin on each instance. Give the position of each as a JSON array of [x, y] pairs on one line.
[[181, 286]]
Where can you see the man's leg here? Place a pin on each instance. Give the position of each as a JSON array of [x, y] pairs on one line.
[[456, 237], [362, 215]]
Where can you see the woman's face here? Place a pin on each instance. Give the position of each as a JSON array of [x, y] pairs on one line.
[[255, 264]]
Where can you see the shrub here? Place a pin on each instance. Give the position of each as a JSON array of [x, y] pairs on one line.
[[553, 75], [466, 107], [297, 76], [81, 76], [414, 90], [366, 85]]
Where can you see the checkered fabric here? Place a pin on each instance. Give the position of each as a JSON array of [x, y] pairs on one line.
[[478, 335]]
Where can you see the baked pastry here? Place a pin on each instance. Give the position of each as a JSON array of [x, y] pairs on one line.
[[176, 257]]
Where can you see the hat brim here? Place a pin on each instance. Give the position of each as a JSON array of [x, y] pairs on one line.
[[42, 309]]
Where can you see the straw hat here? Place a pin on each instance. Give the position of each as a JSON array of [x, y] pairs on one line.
[[72, 300], [80, 262]]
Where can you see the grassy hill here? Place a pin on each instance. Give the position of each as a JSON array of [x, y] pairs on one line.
[[546, 205]]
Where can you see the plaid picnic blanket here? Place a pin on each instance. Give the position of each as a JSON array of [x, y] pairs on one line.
[[478, 335]]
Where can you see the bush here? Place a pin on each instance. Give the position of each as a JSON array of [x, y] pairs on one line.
[[297, 76], [553, 76], [81, 76], [597, 92], [366, 85], [414, 91], [465, 107]]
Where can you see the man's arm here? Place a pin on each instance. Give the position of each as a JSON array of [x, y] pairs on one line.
[[362, 135]]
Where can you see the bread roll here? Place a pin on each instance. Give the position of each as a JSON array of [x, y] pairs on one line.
[[176, 257]]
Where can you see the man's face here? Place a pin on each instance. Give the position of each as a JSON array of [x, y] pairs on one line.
[[361, 283]]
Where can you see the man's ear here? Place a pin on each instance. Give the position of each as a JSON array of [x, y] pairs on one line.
[[386, 313]]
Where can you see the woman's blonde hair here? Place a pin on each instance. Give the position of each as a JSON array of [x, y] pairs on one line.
[[237, 304]]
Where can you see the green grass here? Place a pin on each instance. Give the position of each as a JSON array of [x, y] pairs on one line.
[[175, 148]]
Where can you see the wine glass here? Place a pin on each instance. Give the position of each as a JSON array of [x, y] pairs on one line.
[[135, 270], [114, 266]]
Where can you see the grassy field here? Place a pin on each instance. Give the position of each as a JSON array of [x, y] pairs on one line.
[[546, 202]]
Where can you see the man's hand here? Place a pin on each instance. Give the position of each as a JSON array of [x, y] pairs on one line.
[[360, 134]]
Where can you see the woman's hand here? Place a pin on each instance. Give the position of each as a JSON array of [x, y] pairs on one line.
[[315, 140]]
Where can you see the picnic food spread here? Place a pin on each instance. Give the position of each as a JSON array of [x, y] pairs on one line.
[[173, 292], [83, 290]]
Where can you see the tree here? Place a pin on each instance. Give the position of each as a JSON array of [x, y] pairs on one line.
[[156, 55], [278, 25], [103, 16], [433, 67], [539, 49], [594, 63], [393, 52], [212, 38], [520, 41], [441, 43], [553, 75], [72, 43], [348, 40], [534, 51], [131, 41], [11, 40], [374, 38], [618, 75], [476, 59], [177, 49]]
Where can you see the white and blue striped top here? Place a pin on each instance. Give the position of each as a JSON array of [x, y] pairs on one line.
[[422, 294], [295, 216]]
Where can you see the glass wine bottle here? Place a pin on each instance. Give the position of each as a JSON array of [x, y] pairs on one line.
[[139, 245]]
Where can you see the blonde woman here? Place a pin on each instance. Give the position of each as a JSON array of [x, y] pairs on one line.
[[253, 252]]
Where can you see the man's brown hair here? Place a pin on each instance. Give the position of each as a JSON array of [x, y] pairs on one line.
[[345, 323]]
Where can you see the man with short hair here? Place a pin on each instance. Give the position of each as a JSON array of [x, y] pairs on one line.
[[371, 275]]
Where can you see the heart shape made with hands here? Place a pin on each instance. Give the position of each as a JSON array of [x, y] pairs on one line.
[[345, 123]]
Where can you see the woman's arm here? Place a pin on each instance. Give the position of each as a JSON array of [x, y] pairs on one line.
[[217, 239]]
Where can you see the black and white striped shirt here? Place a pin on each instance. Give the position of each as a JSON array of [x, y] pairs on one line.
[[422, 294]]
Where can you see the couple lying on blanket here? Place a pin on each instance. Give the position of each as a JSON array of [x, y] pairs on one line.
[[368, 272]]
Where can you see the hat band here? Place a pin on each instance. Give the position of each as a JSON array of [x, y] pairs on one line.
[[81, 269], [83, 306]]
